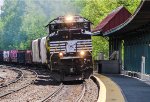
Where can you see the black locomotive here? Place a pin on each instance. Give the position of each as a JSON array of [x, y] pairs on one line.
[[69, 47]]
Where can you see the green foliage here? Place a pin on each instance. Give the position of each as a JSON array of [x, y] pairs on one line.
[[25, 20], [96, 11], [100, 44], [11, 23]]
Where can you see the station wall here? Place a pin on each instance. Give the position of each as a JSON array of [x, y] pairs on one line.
[[137, 53]]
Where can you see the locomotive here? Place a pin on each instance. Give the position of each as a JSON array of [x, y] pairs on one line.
[[69, 47], [66, 50]]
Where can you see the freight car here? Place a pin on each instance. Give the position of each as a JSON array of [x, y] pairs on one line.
[[28, 57], [39, 53], [6, 57], [1, 56], [13, 56], [21, 56]]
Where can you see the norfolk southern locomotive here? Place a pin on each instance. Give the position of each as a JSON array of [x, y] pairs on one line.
[[70, 47], [66, 49]]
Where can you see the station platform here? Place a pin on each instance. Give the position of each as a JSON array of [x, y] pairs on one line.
[[120, 88], [133, 89]]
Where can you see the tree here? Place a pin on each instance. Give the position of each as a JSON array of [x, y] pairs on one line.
[[11, 23], [96, 11], [25, 20]]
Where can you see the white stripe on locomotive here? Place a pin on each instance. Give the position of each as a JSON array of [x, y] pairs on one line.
[[70, 46]]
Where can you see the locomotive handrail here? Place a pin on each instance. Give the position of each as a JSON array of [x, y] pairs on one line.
[[51, 60]]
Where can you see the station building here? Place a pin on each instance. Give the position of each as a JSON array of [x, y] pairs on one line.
[[130, 33]]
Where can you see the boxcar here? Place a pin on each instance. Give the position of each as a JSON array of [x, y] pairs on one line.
[[6, 57], [1, 56], [21, 56], [43, 52], [28, 57], [13, 55], [36, 58]]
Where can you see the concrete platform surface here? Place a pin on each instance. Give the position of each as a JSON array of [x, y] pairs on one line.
[[133, 89]]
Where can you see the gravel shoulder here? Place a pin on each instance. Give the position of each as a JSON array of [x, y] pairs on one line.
[[91, 93]]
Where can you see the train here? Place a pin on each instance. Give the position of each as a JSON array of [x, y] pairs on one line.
[[66, 50]]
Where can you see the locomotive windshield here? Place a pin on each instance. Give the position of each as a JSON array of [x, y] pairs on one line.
[[69, 28]]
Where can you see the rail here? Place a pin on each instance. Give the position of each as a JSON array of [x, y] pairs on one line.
[[19, 77], [9, 91], [82, 93], [50, 96]]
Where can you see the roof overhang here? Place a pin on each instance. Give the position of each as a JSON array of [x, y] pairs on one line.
[[140, 18]]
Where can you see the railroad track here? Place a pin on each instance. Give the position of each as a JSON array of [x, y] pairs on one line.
[[82, 93], [27, 79], [61, 93], [69, 93], [19, 77], [51, 95]]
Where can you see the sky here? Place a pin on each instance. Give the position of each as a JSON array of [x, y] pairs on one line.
[[1, 2]]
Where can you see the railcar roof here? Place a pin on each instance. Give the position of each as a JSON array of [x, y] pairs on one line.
[[111, 17]]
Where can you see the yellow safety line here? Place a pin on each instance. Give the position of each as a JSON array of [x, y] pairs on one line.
[[102, 91], [109, 90]]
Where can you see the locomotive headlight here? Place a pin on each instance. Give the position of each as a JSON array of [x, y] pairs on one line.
[[60, 54], [82, 53], [69, 18]]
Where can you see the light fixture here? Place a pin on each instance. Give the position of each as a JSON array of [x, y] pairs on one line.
[[60, 54], [69, 18], [82, 53]]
